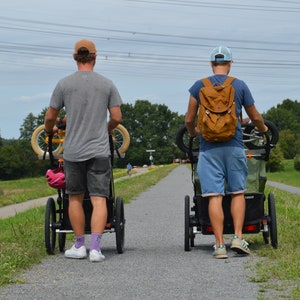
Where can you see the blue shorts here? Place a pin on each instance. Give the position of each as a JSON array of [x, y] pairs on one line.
[[92, 176], [222, 170]]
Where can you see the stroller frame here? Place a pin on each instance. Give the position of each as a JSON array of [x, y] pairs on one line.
[[57, 220], [196, 218]]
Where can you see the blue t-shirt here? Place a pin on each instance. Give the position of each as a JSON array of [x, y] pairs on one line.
[[242, 97]]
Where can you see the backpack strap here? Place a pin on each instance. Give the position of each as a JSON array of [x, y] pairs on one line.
[[207, 82], [228, 80]]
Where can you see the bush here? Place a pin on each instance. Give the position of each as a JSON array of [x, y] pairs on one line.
[[275, 161], [297, 162]]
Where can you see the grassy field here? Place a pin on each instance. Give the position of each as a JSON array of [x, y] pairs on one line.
[[289, 176], [277, 271]]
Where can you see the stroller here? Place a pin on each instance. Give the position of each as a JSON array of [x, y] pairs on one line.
[[57, 218], [257, 148]]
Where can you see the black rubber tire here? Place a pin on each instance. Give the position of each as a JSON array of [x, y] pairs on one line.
[[183, 140], [187, 223], [120, 225], [61, 241], [50, 231], [272, 134], [273, 220]]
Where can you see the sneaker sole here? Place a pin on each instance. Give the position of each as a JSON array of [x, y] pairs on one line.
[[75, 257], [239, 250], [221, 256], [97, 260]]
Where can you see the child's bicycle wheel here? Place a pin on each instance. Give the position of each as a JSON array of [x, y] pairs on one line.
[[39, 142], [254, 140], [121, 139], [183, 141]]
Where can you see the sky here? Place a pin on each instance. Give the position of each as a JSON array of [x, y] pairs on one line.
[[151, 50]]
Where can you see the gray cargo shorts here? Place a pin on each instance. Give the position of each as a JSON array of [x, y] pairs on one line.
[[92, 176]]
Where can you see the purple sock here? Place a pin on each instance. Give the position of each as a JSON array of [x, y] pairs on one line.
[[95, 241], [79, 241]]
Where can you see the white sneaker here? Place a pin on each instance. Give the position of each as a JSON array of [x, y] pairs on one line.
[[96, 256], [76, 253]]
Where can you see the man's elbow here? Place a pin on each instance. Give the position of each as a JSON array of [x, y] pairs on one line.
[[51, 114], [189, 120], [116, 119]]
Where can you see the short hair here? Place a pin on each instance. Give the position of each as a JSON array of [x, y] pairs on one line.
[[83, 56], [218, 63]]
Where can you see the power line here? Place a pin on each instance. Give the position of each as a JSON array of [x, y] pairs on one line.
[[225, 6], [130, 33]]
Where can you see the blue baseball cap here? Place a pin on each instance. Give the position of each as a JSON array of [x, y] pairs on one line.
[[220, 54]]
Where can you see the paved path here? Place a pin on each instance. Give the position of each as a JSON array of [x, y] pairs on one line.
[[281, 186], [154, 264]]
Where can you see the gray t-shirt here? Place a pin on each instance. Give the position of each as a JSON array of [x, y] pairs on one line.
[[86, 96]]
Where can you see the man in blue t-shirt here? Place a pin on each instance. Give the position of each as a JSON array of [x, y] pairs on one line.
[[221, 162]]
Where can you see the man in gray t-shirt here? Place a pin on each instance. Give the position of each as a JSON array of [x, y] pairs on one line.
[[87, 97]]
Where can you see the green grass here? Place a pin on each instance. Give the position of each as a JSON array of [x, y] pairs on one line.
[[17, 191], [22, 243], [22, 236], [289, 176], [279, 270]]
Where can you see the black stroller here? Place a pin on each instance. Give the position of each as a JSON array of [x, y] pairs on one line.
[[196, 219], [57, 218]]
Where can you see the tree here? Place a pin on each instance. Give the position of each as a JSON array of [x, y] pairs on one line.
[[151, 127], [285, 115], [41, 117], [17, 160], [288, 143], [31, 122], [28, 126]]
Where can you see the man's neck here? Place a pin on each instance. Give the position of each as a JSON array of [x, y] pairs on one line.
[[85, 67]]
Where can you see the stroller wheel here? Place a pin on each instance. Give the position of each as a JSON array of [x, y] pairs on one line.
[[50, 230], [273, 222], [187, 229], [61, 241], [120, 225]]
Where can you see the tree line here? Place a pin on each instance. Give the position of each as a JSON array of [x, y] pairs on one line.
[[151, 127]]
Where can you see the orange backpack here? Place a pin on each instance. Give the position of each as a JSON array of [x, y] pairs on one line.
[[217, 118]]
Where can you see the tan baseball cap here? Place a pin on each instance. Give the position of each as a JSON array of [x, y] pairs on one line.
[[89, 45]]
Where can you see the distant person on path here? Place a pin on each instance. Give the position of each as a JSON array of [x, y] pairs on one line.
[[129, 168], [224, 162], [88, 97]]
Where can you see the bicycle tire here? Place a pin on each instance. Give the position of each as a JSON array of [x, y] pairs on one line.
[[272, 133], [183, 141], [122, 144], [39, 142]]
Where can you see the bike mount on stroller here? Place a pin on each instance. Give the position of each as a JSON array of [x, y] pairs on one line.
[[257, 148], [57, 218]]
